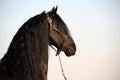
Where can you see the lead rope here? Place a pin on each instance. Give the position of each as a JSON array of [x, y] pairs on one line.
[[62, 67], [57, 51], [60, 62]]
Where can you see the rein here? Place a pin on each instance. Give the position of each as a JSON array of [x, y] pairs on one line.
[[59, 49]]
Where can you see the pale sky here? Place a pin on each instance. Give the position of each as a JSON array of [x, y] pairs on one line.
[[94, 25]]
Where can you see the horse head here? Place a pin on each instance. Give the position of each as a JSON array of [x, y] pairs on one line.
[[59, 34]]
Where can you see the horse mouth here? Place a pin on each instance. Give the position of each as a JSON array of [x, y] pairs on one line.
[[69, 52]]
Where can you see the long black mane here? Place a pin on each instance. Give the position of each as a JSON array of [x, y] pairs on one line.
[[27, 51]]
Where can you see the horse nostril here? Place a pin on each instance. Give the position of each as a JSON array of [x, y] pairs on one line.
[[72, 51], [69, 52]]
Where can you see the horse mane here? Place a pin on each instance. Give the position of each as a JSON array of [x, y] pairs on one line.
[[27, 51]]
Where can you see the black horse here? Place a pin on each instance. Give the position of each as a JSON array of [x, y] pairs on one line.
[[27, 55]]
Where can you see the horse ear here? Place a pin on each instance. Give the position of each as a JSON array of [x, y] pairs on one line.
[[53, 11], [56, 9]]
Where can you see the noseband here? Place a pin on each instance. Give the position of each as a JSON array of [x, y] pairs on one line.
[[65, 37]]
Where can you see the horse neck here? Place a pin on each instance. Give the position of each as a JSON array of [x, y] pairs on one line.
[[27, 56]]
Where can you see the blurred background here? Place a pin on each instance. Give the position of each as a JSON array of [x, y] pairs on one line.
[[93, 24]]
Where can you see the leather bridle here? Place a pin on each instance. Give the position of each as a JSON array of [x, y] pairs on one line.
[[65, 37]]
